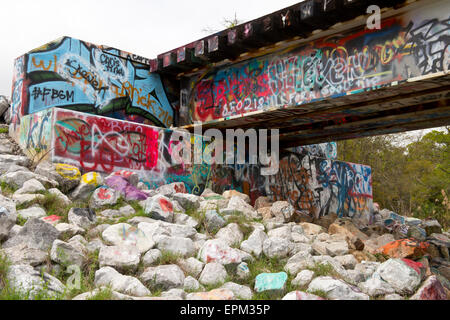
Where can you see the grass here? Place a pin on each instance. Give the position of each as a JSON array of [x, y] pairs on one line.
[[168, 258], [7, 292], [7, 189], [4, 130], [102, 294], [319, 293], [323, 270]]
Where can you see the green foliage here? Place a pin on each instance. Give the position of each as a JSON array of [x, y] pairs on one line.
[[102, 294], [323, 270], [412, 179], [319, 293], [4, 130], [168, 258], [7, 189]]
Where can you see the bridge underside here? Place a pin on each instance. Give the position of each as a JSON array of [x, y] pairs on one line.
[[417, 103]]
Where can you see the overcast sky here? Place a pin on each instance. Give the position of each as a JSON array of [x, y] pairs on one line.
[[143, 27]]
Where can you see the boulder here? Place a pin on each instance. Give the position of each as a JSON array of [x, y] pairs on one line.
[[282, 211], [213, 274], [237, 204], [431, 226], [400, 276], [376, 286], [336, 289], [431, 289], [231, 234], [32, 212], [216, 294], [103, 196], [262, 202], [298, 262], [311, 229], [214, 221], [61, 196], [68, 230], [191, 266], [348, 261], [121, 258], [272, 282], [131, 177], [233, 193], [170, 189], [81, 217], [303, 278], [30, 186], [151, 257], [109, 277], [337, 248], [277, 248], [404, 248], [240, 291], [22, 254], [218, 251], [176, 245], [300, 295], [243, 271], [163, 277], [160, 208], [27, 280], [125, 234], [67, 176], [187, 201], [254, 244], [8, 217], [36, 234], [89, 182], [281, 232], [125, 188], [65, 254], [191, 284]]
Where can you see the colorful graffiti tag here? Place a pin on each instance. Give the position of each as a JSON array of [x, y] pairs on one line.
[[337, 65], [72, 74], [318, 186]]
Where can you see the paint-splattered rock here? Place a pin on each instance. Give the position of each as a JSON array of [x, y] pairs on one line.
[[218, 251], [233, 193], [125, 188], [125, 234], [216, 294], [89, 182], [103, 196], [169, 190], [431, 289], [270, 282], [300, 295], [131, 177], [66, 175], [53, 219], [400, 275], [160, 208], [404, 248]]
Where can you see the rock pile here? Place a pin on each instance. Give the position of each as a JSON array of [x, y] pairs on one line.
[[114, 235]]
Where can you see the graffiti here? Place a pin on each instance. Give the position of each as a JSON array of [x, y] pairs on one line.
[[337, 65], [80, 76], [323, 150], [317, 186], [67, 171]]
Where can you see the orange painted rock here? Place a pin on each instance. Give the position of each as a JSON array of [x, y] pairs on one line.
[[404, 248], [217, 294]]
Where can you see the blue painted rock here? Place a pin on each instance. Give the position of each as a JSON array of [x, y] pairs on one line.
[[270, 281]]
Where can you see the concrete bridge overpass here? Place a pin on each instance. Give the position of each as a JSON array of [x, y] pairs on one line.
[[317, 72]]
